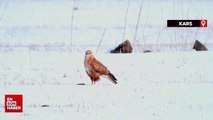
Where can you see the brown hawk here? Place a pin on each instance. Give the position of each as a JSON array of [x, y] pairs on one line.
[[95, 69]]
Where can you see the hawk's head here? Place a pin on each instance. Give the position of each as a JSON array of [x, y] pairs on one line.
[[88, 53]]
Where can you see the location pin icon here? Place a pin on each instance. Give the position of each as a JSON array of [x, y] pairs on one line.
[[203, 22]]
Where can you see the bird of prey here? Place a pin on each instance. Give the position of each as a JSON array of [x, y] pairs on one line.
[[95, 69]]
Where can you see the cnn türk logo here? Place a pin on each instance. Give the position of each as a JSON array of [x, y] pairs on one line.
[[13, 103]]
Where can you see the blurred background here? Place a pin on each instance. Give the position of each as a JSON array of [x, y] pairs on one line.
[[100, 25]]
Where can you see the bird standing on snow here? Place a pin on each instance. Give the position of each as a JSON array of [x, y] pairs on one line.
[[94, 68]]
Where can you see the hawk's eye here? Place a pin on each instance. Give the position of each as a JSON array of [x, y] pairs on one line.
[[88, 52]]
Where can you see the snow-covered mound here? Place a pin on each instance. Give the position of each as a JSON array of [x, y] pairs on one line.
[[152, 86]]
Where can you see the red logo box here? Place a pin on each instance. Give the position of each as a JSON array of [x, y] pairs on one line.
[[14, 103], [203, 23]]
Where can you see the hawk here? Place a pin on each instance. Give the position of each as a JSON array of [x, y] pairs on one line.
[[95, 69]]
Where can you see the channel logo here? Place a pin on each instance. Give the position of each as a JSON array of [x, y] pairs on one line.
[[14, 103], [187, 23]]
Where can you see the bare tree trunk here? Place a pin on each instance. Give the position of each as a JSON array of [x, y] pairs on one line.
[[71, 29], [138, 21], [101, 39], [5, 9], [125, 20]]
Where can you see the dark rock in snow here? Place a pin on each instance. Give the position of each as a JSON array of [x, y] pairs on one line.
[[147, 51], [198, 46], [81, 84], [45, 105], [124, 47]]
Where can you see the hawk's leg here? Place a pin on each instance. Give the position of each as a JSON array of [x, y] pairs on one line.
[[93, 82]]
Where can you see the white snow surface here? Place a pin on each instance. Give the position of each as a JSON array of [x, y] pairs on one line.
[[151, 86]]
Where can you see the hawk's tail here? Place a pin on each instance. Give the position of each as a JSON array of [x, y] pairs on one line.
[[112, 78]]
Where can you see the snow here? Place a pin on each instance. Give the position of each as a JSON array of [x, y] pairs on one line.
[[151, 86], [39, 59]]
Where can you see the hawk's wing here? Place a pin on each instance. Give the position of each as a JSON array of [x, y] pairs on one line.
[[98, 67]]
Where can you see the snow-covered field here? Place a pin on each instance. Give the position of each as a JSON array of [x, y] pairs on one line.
[[42, 45], [152, 86]]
